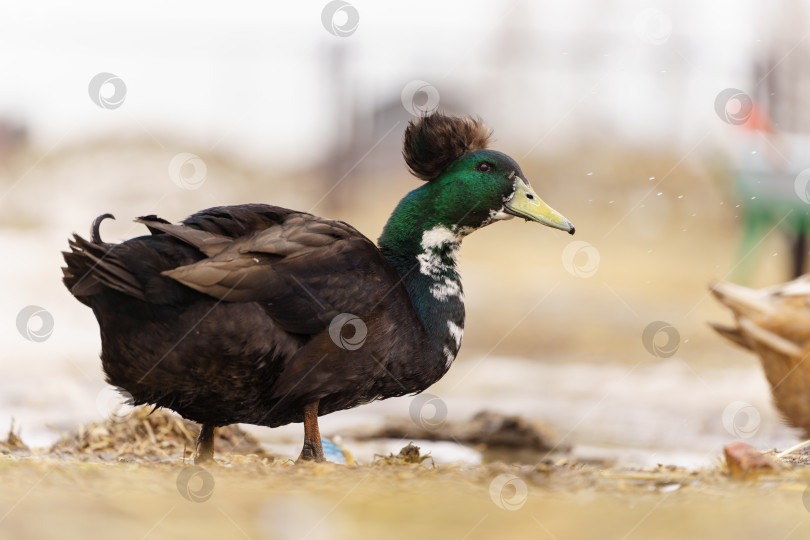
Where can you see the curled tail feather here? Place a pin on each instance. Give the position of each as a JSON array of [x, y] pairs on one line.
[[94, 230], [91, 267]]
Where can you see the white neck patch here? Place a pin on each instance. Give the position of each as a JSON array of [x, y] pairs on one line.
[[450, 356], [439, 236], [435, 241], [456, 332]]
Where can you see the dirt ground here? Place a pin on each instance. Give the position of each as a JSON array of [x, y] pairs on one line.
[[50, 498], [133, 476]]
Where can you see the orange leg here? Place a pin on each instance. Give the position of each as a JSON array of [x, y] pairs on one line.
[[312, 450]]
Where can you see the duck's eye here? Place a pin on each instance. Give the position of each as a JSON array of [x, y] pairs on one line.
[[484, 166]]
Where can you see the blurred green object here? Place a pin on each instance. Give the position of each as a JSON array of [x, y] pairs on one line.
[[771, 200]]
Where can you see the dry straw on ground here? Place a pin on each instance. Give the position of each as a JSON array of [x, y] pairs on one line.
[[152, 436]]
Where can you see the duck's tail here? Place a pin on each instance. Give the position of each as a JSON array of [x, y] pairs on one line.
[[94, 228], [89, 268]]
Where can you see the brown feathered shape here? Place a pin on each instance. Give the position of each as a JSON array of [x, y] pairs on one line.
[[774, 323], [433, 142]]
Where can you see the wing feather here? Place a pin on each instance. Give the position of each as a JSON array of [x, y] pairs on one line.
[[302, 269]]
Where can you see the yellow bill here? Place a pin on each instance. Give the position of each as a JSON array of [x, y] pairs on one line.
[[526, 204]]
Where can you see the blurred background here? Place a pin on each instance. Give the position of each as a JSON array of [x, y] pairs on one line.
[[669, 133]]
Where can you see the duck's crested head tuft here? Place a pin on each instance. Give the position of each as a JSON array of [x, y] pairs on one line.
[[434, 141]]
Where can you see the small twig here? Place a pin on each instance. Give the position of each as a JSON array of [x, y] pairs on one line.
[[792, 449]]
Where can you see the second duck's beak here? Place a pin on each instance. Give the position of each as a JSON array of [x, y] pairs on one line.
[[526, 204]]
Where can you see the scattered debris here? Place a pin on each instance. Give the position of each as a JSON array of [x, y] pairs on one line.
[[494, 430], [744, 460], [409, 454], [163, 437], [798, 455]]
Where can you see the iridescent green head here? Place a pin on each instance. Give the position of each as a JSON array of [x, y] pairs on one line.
[[485, 186], [468, 186]]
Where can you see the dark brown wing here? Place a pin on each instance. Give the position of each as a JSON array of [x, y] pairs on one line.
[[303, 270]]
